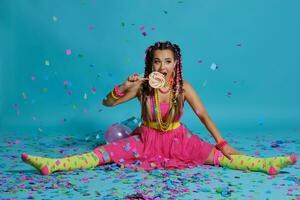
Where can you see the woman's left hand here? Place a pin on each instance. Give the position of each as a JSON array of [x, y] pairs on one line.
[[227, 150]]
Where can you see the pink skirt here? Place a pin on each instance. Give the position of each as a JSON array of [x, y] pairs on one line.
[[153, 149]]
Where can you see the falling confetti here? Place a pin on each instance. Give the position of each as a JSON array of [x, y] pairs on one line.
[[94, 90], [85, 96], [54, 18], [91, 27], [47, 63], [24, 95], [33, 78], [44, 90], [68, 52], [228, 94], [213, 66]]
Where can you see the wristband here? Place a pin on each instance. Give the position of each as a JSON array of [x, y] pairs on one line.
[[117, 92], [220, 145], [114, 96]]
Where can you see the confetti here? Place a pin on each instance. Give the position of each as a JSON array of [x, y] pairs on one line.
[[68, 52], [94, 90], [54, 18], [47, 63], [24, 95], [213, 66]]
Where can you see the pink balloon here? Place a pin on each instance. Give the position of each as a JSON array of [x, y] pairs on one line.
[[117, 132]]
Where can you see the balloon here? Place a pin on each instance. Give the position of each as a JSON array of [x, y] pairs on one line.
[[117, 132]]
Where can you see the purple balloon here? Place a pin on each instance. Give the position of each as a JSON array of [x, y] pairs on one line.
[[117, 132]]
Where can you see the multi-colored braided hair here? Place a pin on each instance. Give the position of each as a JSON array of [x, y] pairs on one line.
[[177, 85]]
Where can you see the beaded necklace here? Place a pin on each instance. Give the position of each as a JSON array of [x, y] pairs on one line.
[[163, 125], [168, 84]]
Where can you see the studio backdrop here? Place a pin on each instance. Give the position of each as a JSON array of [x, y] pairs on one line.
[[59, 59]]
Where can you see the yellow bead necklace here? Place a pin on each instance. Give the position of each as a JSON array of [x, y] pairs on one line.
[[163, 125]]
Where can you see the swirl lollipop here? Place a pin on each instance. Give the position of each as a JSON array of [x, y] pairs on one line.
[[156, 80]]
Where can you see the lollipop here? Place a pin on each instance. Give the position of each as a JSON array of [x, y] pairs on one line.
[[156, 80]]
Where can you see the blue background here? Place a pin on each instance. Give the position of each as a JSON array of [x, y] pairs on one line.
[[252, 96], [255, 45]]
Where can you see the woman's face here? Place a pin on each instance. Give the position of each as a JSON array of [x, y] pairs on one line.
[[163, 62]]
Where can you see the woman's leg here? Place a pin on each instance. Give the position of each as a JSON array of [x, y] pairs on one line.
[[46, 166], [127, 148], [241, 161]]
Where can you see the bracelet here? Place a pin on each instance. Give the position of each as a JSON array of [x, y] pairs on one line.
[[117, 92], [114, 96], [220, 145]]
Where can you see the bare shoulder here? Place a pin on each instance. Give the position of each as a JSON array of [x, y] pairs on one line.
[[186, 86], [189, 92]]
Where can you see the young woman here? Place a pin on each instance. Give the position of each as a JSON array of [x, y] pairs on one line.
[[162, 141]]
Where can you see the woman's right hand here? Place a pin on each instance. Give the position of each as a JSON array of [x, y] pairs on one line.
[[134, 82]]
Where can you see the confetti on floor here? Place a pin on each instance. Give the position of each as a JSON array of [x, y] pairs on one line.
[[20, 181]]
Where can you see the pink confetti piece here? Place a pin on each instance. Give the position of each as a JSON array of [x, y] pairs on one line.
[[94, 90], [91, 27], [33, 78], [142, 28], [70, 92], [68, 52], [257, 153], [66, 82]]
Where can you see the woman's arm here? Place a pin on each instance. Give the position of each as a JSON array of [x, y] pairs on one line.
[[109, 101], [196, 104]]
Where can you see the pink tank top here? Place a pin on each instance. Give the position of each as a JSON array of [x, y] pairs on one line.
[[164, 108]]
